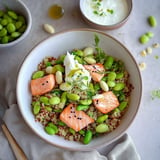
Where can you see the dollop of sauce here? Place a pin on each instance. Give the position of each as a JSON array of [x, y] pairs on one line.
[[105, 12], [75, 72], [56, 11]]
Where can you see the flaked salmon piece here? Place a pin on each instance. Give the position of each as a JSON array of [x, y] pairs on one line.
[[105, 102], [42, 85], [96, 71], [76, 120]]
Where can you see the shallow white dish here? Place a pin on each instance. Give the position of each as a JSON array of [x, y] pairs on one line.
[[55, 46]]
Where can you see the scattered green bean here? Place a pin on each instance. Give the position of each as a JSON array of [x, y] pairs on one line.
[[50, 130], [50, 124], [15, 34], [72, 131], [111, 76], [87, 137], [11, 27], [3, 32], [58, 67], [150, 34], [119, 75], [144, 39], [152, 21], [111, 83]]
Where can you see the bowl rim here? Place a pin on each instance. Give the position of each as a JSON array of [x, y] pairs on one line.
[[29, 24], [104, 26], [85, 148]]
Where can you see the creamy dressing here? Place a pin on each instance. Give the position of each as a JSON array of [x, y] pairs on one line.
[[75, 72], [105, 12]]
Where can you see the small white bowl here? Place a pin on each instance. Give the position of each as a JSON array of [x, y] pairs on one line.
[[106, 18], [19, 7], [58, 44]]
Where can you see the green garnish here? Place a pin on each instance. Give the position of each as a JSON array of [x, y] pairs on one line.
[[111, 11], [155, 94]]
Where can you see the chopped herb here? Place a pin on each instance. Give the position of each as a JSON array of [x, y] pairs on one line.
[[156, 57], [111, 11], [95, 12], [155, 94]]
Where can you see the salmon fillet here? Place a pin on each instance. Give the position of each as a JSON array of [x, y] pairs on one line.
[[42, 85], [96, 71], [76, 120], [105, 102]]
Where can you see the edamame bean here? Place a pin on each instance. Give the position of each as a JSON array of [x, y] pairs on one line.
[[102, 118], [88, 51], [12, 14], [4, 22], [50, 130], [58, 67], [80, 60], [73, 97], [3, 32], [49, 69], [108, 63], [119, 86], [49, 109], [1, 13], [38, 74], [150, 34], [11, 27], [60, 60], [85, 102], [119, 75], [65, 86], [5, 39], [123, 105], [101, 128], [78, 53], [36, 107], [87, 137], [144, 39], [21, 18], [1, 26], [61, 123], [44, 100], [111, 83], [72, 131], [82, 107], [152, 21], [64, 97], [90, 60], [50, 124], [111, 76], [15, 34], [54, 100], [18, 24], [22, 29]]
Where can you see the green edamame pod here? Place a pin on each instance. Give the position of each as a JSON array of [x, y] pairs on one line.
[[85, 102], [73, 97], [123, 105], [101, 128], [87, 137], [38, 74], [82, 107], [102, 118], [108, 63]]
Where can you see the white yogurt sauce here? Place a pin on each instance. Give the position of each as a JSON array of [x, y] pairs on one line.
[[75, 72], [105, 12]]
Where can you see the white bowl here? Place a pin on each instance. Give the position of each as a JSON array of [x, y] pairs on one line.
[[55, 46], [124, 9], [20, 8]]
